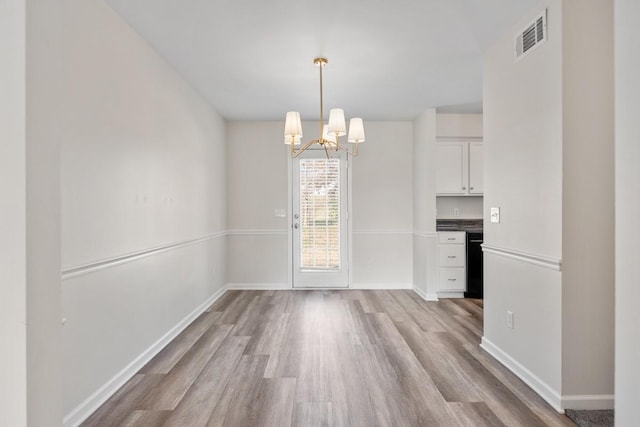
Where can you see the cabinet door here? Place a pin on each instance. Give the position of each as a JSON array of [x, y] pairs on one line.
[[452, 237], [452, 256], [451, 169], [475, 168], [452, 279]]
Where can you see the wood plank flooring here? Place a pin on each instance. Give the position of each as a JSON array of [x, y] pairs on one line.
[[328, 358]]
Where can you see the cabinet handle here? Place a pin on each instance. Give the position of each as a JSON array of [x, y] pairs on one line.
[[451, 256], [451, 238], [470, 188], [464, 188], [451, 280]]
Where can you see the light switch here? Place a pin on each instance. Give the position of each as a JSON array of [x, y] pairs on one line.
[[280, 213], [495, 215]]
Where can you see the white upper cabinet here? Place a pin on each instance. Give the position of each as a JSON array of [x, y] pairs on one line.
[[459, 169], [452, 172], [475, 168]]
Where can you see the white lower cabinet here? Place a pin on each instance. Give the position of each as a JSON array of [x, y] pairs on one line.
[[452, 264], [452, 279]]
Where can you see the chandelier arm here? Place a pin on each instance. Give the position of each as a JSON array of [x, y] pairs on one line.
[[353, 153], [296, 153]]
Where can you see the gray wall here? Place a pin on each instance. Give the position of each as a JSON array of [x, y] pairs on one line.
[[587, 175], [627, 51], [45, 100]]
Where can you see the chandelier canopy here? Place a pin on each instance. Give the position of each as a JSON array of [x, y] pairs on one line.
[[329, 132]]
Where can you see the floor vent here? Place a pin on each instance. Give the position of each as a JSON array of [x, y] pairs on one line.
[[534, 35]]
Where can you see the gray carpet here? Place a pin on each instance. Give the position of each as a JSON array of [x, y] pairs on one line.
[[591, 418]]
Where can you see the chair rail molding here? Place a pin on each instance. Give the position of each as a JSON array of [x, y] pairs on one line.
[[539, 260], [92, 267]]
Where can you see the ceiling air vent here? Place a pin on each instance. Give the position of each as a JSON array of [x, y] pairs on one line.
[[532, 36]]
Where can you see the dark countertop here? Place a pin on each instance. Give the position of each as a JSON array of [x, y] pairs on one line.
[[472, 225]]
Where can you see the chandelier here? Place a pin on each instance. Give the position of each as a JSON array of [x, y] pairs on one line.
[[329, 133]]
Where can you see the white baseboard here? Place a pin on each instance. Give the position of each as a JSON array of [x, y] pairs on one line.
[[258, 286], [380, 286], [425, 296], [93, 402], [558, 402], [284, 286], [543, 389], [588, 402], [450, 294]]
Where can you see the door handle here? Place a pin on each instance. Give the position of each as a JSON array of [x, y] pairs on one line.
[[296, 225], [296, 216]]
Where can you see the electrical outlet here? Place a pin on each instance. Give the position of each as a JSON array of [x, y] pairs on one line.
[[456, 212], [509, 319]]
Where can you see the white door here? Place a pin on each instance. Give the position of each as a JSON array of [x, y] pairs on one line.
[[320, 221]]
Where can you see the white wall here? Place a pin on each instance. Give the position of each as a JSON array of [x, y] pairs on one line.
[[468, 207], [542, 140], [143, 169], [523, 142], [13, 333], [424, 174], [425, 270], [459, 125], [257, 186], [523, 164], [627, 70], [382, 204]]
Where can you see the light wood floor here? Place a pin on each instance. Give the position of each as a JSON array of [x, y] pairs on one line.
[[328, 358]]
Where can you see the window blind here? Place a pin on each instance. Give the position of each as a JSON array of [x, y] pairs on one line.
[[320, 214]]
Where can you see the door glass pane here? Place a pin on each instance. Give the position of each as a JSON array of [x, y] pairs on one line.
[[320, 214]]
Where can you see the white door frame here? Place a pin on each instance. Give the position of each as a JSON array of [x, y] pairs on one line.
[[290, 220]]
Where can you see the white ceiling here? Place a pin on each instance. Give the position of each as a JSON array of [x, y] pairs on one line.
[[388, 59]]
